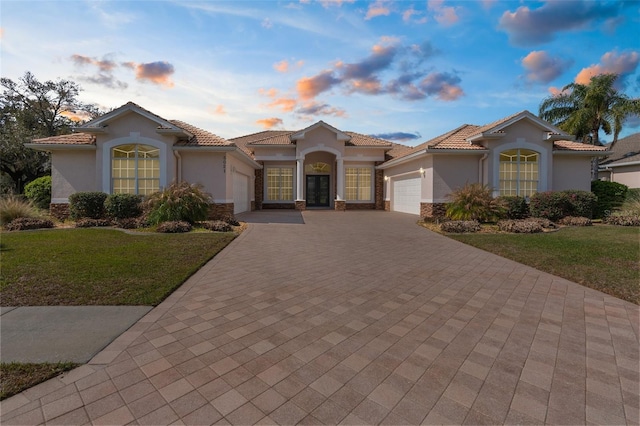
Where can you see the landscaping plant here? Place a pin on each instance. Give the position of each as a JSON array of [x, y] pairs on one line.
[[217, 225], [610, 195], [520, 226], [178, 202], [123, 206], [460, 226], [87, 204], [13, 207], [514, 207], [24, 223], [38, 191], [474, 202], [174, 227], [555, 205]]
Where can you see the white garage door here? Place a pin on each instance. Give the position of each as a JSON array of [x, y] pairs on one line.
[[241, 193], [406, 196]]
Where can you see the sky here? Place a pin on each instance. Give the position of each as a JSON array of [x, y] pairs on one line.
[[405, 71]]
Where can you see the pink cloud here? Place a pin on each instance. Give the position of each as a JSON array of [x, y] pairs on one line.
[[444, 15], [310, 87], [217, 110], [270, 123], [610, 63], [543, 68], [328, 3], [282, 66], [156, 72], [379, 8]]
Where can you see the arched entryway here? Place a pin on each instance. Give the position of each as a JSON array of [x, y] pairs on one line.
[[319, 179]]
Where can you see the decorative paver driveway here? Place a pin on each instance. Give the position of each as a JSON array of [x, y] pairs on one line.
[[358, 318]]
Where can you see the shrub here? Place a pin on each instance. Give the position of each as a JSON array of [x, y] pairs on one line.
[[623, 219], [92, 223], [610, 195], [514, 207], [38, 191], [230, 219], [13, 207], [129, 223], [460, 226], [174, 227], [556, 205], [123, 206], [575, 221], [23, 223], [217, 225], [473, 202], [545, 223], [179, 202], [87, 204], [520, 226], [632, 201]]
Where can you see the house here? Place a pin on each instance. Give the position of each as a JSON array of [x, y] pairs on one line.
[[133, 150], [623, 165]]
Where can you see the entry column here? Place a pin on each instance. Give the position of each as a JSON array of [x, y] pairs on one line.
[[300, 203], [340, 180]]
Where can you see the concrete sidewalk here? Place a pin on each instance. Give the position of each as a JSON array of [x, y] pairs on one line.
[[62, 333], [358, 318]]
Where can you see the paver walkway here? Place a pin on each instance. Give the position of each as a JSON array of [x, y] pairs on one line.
[[358, 318]]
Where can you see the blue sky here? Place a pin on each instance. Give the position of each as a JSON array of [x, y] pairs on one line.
[[403, 70]]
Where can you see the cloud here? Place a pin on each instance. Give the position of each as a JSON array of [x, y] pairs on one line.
[[155, 72], [543, 68], [284, 104], [409, 13], [217, 110], [310, 87], [398, 136], [528, 27], [270, 123], [444, 86], [622, 64], [77, 116], [282, 66], [444, 15], [366, 75], [379, 8], [315, 108], [266, 23], [328, 3], [1, 33], [105, 68]]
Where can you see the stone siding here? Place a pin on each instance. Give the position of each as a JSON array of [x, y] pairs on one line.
[[301, 205], [379, 189], [387, 205], [219, 210], [340, 205], [432, 210], [59, 211], [361, 206], [278, 206], [259, 189]]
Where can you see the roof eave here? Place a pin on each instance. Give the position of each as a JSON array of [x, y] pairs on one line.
[[175, 132], [456, 151], [485, 136], [629, 163], [60, 146], [205, 148], [587, 153], [401, 160]]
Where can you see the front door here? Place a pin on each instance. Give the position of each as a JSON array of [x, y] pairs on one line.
[[318, 191]]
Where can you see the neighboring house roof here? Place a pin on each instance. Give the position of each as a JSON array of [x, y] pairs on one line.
[[72, 139], [623, 151]]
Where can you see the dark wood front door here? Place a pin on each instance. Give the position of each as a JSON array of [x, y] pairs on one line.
[[318, 191]]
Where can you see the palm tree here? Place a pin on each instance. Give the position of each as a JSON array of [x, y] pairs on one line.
[[584, 110]]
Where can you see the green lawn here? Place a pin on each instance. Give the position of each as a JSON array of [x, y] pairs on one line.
[[16, 377], [99, 266], [606, 258]]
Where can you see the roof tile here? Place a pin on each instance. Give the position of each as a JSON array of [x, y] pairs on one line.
[[70, 139]]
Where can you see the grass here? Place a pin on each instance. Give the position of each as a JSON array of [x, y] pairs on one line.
[[601, 257], [15, 377], [99, 266]]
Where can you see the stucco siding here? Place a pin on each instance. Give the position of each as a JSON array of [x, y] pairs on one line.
[[236, 166], [207, 169], [320, 139], [411, 169], [451, 172], [627, 175], [71, 172], [571, 172]]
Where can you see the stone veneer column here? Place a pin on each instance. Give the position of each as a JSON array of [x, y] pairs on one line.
[[301, 205], [379, 189], [340, 205], [259, 188], [59, 210]]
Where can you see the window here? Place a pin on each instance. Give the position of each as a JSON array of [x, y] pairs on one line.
[[135, 169], [280, 184], [519, 172], [318, 167], [358, 184]]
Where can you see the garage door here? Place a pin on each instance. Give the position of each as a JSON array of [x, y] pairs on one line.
[[406, 196], [241, 193]]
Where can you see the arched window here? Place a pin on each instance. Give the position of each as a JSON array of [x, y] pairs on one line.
[[318, 167], [519, 172], [135, 169]]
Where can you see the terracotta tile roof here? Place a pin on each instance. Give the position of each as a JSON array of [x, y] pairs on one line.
[[576, 146], [358, 139], [487, 127], [397, 150], [624, 150], [455, 139], [200, 137], [71, 139]]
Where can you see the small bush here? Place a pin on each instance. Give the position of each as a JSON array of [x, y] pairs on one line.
[[13, 207], [92, 223], [23, 223], [230, 219], [174, 227], [460, 226], [123, 206], [179, 202], [38, 191], [556, 205], [473, 202], [514, 207], [545, 223], [610, 195], [575, 221], [623, 219], [87, 204], [632, 201], [520, 226], [217, 225], [129, 223]]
